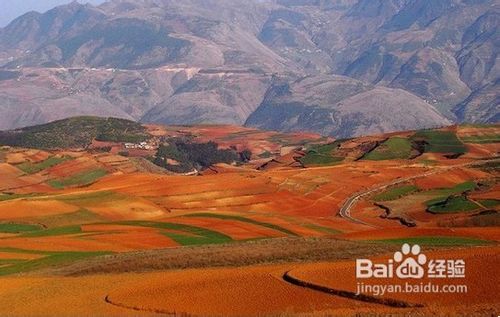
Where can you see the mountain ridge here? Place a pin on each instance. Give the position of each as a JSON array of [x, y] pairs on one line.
[[216, 61]]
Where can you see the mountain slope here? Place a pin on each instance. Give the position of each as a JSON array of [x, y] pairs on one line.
[[341, 106], [215, 61]]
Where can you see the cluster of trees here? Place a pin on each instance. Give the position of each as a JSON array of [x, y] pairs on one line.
[[189, 156]]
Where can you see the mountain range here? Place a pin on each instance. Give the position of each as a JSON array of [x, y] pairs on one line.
[[337, 67]]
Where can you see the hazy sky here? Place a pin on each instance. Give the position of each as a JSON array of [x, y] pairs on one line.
[[11, 9]]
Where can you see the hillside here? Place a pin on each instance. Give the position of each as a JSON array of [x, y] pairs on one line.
[[217, 61], [100, 230], [78, 132]]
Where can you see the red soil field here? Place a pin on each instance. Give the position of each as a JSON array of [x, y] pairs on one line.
[[10, 177], [20, 256], [240, 291], [481, 279], [16, 209], [127, 209], [134, 240], [450, 178], [250, 291], [282, 194], [243, 138], [78, 165]]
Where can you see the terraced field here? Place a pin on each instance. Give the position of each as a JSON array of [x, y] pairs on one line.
[[85, 213], [392, 149]]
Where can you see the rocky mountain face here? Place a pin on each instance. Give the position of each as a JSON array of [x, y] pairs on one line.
[[342, 106], [338, 67]]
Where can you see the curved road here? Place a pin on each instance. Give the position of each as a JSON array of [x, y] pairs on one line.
[[345, 210]]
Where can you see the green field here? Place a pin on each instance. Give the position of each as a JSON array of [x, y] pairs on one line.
[[443, 193], [47, 259], [243, 219], [193, 235], [321, 155], [453, 205], [396, 193], [427, 162], [32, 168], [440, 141], [322, 229], [482, 139], [18, 227], [80, 179], [265, 154], [57, 231], [90, 198], [394, 148], [490, 203], [5, 197], [436, 241]]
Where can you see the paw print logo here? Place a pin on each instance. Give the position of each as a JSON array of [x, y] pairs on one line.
[[410, 261]]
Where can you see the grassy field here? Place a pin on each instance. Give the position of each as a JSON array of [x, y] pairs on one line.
[[193, 235], [490, 203], [452, 205], [321, 155], [322, 229], [47, 259], [444, 193], [395, 193], [57, 231], [90, 198], [18, 227], [32, 168], [392, 149], [243, 219], [80, 179], [440, 141], [482, 139], [5, 197], [436, 241]]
